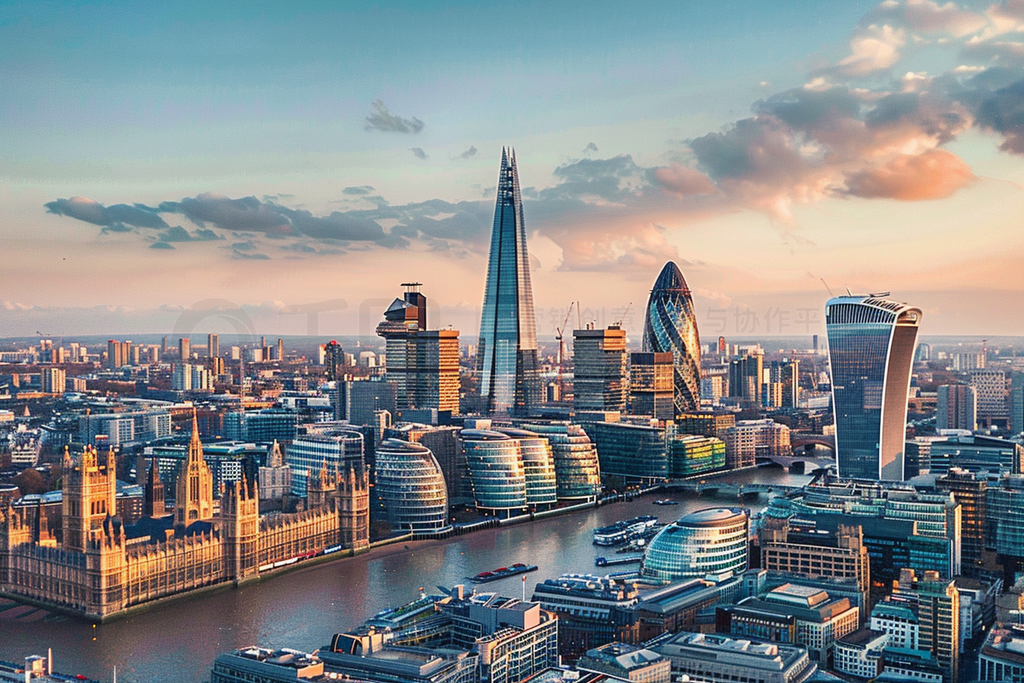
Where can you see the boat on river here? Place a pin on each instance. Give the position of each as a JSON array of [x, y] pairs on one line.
[[503, 572], [624, 531]]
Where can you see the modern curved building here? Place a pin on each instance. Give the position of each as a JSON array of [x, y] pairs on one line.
[[496, 470], [577, 469], [411, 487], [871, 344], [538, 466], [671, 327], [711, 541]]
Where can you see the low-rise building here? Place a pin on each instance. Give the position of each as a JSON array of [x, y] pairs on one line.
[[261, 665], [859, 654], [627, 663], [724, 659], [800, 615], [1002, 656]]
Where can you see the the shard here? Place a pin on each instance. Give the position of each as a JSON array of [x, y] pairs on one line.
[[671, 327], [507, 349]]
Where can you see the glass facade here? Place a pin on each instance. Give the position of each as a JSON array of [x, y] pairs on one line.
[[711, 541], [495, 469], [689, 455], [538, 466], [335, 450], [871, 350], [411, 487], [671, 327], [577, 470], [634, 452], [507, 347]]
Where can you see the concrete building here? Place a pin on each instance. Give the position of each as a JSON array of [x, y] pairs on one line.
[[841, 555], [623, 662], [748, 440], [956, 407], [859, 654], [261, 665], [1002, 656], [723, 659], [793, 614]]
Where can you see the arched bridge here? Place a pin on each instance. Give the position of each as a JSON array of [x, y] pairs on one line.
[[803, 442]]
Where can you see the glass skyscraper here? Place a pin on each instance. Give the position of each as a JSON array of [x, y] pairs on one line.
[[507, 350], [671, 327], [871, 354]]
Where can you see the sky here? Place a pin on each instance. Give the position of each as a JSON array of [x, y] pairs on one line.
[[284, 167]]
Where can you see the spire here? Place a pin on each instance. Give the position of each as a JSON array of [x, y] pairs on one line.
[[195, 445]]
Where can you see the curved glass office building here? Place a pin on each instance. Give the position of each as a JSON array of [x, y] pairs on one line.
[[871, 344], [671, 327], [411, 487], [496, 470], [507, 348], [711, 541], [577, 470], [538, 466]]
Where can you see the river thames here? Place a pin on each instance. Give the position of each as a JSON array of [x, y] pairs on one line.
[[304, 608]]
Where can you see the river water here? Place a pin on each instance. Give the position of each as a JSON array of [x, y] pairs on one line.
[[304, 608]]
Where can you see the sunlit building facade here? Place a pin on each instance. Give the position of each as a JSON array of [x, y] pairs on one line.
[[577, 470], [507, 351], [671, 327], [411, 487], [871, 344], [538, 467], [496, 470], [711, 541]]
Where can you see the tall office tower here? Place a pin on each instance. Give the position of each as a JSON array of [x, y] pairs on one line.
[[115, 354], [746, 379], [938, 617], [955, 407], [184, 349], [1016, 403], [651, 385], [334, 360], [990, 388], [969, 491], [126, 352], [870, 354], [722, 349], [790, 378], [213, 345], [52, 380], [163, 346], [507, 353], [599, 381], [424, 364], [193, 501], [280, 349], [671, 327]]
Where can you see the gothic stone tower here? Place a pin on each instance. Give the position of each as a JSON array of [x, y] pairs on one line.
[[240, 528], [89, 493], [354, 509], [194, 499]]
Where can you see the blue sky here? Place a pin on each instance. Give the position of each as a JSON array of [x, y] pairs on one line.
[[271, 155]]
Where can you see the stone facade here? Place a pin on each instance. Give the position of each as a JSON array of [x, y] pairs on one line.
[[99, 571]]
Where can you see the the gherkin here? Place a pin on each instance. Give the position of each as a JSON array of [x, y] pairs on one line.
[[507, 350], [671, 327]]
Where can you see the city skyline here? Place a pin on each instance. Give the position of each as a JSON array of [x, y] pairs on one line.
[[766, 155]]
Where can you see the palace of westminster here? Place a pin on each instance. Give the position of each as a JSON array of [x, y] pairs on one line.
[[101, 567]]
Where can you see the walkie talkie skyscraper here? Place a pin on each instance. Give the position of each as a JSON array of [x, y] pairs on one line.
[[507, 348]]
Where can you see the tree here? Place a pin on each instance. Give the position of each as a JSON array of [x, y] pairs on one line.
[[30, 481]]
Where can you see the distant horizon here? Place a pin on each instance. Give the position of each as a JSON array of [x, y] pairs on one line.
[[321, 155]]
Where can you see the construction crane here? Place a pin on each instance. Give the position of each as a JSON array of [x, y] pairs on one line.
[[560, 338], [618, 323]]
